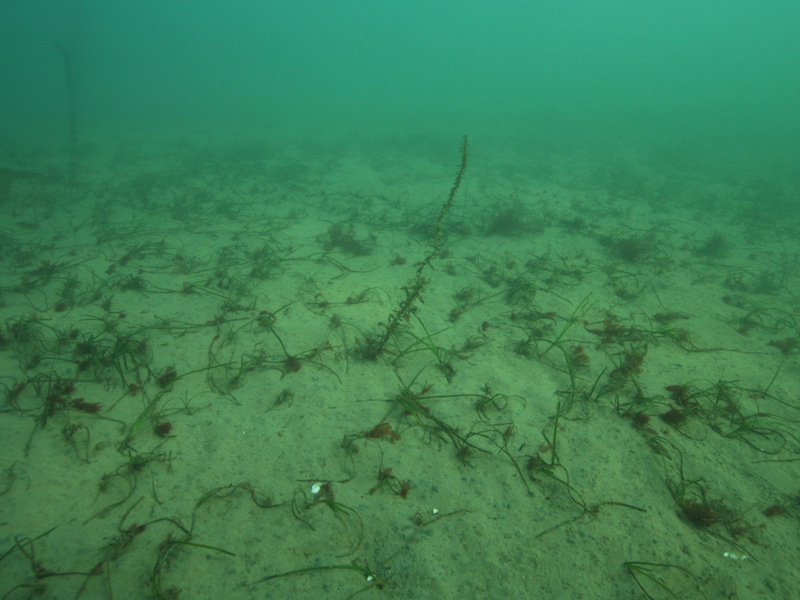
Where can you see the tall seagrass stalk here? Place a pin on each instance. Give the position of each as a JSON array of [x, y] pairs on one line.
[[72, 140], [374, 347]]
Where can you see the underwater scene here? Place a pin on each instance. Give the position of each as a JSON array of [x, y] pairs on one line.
[[399, 300]]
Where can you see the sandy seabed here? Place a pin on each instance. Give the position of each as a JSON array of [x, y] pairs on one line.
[[595, 394]]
